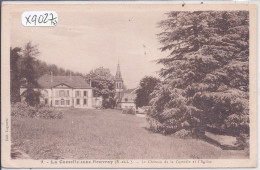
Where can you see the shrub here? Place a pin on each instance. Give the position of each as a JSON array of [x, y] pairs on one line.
[[243, 142], [144, 109], [130, 111], [49, 113], [155, 125], [108, 103], [24, 110], [184, 134]]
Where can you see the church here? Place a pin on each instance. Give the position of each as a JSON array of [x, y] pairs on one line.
[[124, 97]]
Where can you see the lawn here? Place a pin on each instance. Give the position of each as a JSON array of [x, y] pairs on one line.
[[106, 134]]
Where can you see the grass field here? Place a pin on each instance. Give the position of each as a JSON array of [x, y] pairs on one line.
[[106, 134]]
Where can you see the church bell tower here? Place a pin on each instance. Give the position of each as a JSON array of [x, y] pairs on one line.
[[119, 83]]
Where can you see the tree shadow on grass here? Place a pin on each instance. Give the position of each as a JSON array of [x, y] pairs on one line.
[[223, 147], [206, 139]]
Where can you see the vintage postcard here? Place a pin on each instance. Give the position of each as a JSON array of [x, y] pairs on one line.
[[128, 85]]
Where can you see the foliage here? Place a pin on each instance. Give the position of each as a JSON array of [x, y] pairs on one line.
[[15, 59], [108, 103], [25, 110], [130, 111], [26, 69], [243, 141], [146, 87], [32, 97], [183, 134], [155, 125], [206, 74], [44, 68], [103, 85], [29, 74]]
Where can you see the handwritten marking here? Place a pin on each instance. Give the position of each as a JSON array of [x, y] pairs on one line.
[[39, 18]]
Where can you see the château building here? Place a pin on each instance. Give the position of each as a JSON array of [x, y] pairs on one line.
[[65, 91]]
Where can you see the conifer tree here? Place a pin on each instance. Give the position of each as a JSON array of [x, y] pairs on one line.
[[15, 74], [206, 72], [29, 74]]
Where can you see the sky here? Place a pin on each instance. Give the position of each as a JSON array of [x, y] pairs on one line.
[[86, 38]]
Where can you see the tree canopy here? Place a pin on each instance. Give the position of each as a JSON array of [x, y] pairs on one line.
[[25, 71], [15, 74], [146, 87], [206, 74], [103, 85]]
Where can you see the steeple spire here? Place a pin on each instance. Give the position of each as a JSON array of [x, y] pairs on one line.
[[119, 83], [118, 73]]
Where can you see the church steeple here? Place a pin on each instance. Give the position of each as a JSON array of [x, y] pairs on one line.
[[119, 83], [118, 73]]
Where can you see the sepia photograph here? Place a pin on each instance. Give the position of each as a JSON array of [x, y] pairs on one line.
[[129, 85]]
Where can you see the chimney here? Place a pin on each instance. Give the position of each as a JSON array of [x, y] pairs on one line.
[[90, 82], [70, 75], [51, 77]]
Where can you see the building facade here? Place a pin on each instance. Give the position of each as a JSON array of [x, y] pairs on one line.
[[128, 99], [65, 91]]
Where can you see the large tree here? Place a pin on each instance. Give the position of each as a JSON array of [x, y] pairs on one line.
[[29, 74], [103, 85], [15, 74], [146, 87], [206, 72]]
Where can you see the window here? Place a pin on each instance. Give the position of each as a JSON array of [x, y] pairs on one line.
[[57, 102], [85, 93], [56, 93], [126, 99], [67, 93], [77, 93], [62, 102], [78, 101], [85, 101], [67, 102], [46, 101], [62, 93]]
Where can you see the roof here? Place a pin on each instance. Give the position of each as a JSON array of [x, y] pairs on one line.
[[130, 90], [76, 82], [129, 96]]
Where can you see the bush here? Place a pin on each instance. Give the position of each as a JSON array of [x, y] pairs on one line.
[[243, 142], [130, 111], [144, 109], [24, 110], [155, 125], [184, 134], [108, 103], [49, 113]]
